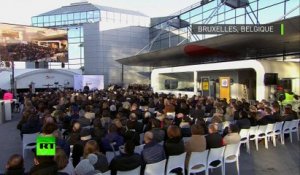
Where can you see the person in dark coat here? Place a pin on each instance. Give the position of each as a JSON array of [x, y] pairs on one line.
[[77, 153], [15, 165], [213, 139], [131, 134], [152, 152], [112, 137], [174, 144], [126, 161], [243, 122], [44, 165]]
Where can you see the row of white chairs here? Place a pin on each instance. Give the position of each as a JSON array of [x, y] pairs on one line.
[[198, 162], [269, 131]]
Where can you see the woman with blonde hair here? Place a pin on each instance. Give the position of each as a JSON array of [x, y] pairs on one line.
[[91, 147]]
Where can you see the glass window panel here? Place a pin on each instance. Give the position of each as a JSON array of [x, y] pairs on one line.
[[81, 31], [117, 17], [52, 23], [83, 20], [74, 51], [230, 14], [83, 15], [74, 61], [96, 14], [52, 18], [71, 22], [291, 5], [82, 52], [64, 17], [46, 18], [76, 15], [77, 21], [72, 66], [57, 17], [74, 32], [74, 40], [196, 19], [240, 20], [46, 24], [40, 19], [40, 24], [70, 16], [196, 11], [34, 20], [90, 14], [271, 14]]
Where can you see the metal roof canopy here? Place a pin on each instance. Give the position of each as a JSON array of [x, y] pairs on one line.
[[227, 47]]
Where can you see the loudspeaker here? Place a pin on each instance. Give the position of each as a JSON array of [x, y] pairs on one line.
[[271, 79]]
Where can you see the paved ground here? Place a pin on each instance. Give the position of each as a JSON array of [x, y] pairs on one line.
[[280, 160]]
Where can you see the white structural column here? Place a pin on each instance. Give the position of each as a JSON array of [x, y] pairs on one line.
[[195, 82]]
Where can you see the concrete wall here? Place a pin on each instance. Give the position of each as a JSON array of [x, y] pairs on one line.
[[105, 42]]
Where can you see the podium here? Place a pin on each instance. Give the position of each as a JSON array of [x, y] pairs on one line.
[[7, 108]]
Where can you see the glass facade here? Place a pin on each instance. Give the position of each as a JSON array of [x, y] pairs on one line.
[[266, 11], [73, 23], [65, 19]]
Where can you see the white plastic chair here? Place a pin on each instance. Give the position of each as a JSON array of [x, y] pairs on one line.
[[131, 172], [175, 162], [278, 131], [197, 162], [286, 130], [215, 154], [156, 168], [28, 142], [110, 155], [294, 127], [261, 134], [231, 155], [244, 133], [138, 149], [252, 132], [270, 131]]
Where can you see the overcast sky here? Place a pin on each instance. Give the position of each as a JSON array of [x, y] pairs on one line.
[[21, 11]]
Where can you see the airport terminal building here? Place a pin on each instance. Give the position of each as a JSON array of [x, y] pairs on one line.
[[127, 46]]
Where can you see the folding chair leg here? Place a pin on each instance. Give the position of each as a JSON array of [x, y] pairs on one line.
[[237, 166], [298, 135], [274, 140], [282, 139], [256, 144], [206, 171], [248, 146], [266, 143], [291, 135]]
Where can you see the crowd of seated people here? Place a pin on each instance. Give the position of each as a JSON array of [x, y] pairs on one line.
[[31, 52], [89, 124]]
